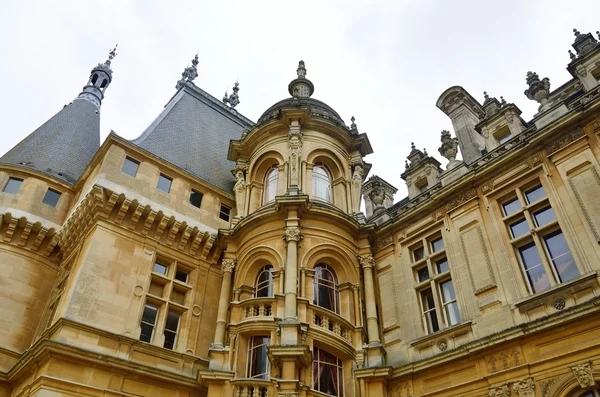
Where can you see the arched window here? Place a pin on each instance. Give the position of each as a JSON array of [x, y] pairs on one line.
[[327, 373], [321, 183], [271, 180], [264, 283], [325, 288], [590, 393], [104, 83]]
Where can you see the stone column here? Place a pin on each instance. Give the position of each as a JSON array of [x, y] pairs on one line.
[[227, 266], [292, 236], [367, 262]]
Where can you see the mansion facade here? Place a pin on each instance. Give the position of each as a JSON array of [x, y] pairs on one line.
[[221, 257]]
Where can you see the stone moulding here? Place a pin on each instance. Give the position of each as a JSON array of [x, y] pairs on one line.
[[103, 204], [28, 235], [565, 140], [462, 198]]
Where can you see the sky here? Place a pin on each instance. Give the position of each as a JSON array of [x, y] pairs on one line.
[[383, 62]]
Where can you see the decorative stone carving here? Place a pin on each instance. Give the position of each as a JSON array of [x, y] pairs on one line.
[[356, 186], [227, 265], [581, 71], [449, 149], [538, 89], [461, 199], [377, 196], [234, 99], [366, 260], [288, 394], [584, 375], [442, 345], [559, 303], [295, 145], [292, 234], [384, 242], [502, 391], [239, 189], [189, 73], [524, 388], [565, 140]]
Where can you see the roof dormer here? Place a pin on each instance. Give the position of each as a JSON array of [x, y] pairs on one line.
[[421, 173]]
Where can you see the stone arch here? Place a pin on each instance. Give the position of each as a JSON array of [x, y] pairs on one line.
[[342, 261], [250, 262], [338, 170], [256, 176], [567, 385]]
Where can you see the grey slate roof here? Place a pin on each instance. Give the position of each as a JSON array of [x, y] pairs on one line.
[[64, 145], [193, 133]]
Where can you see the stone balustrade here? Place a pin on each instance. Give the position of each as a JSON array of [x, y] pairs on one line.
[[251, 388], [257, 308], [331, 322]]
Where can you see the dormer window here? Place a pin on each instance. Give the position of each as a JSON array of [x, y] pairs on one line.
[[503, 136], [422, 185]]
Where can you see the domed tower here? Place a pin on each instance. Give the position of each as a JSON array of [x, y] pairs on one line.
[[297, 306]]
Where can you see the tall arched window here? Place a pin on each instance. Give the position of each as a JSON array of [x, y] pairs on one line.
[[321, 183], [264, 283], [327, 373], [271, 180], [325, 288]]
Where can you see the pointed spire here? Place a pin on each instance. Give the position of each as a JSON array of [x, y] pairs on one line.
[[233, 100], [100, 79], [301, 87], [189, 73], [112, 54]]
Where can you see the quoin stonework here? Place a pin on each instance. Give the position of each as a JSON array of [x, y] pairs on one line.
[[224, 257]]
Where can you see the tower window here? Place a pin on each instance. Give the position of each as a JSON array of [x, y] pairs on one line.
[[104, 83], [12, 186], [264, 282], [164, 183], [271, 185], [321, 184], [195, 198], [503, 136], [325, 288], [51, 197], [130, 166], [94, 79], [224, 212]]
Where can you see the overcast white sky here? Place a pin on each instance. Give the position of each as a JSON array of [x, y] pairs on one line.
[[386, 63]]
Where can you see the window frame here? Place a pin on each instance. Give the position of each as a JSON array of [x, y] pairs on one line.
[[225, 213], [268, 284], [54, 191], [133, 161], [330, 285], [318, 177], [271, 177], [11, 179], [163, 177], [249, 363], [200, 194], [338, 365]]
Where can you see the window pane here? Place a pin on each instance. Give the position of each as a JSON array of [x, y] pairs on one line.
[[561, 256], [271, 185], [511, 207], [544, 216], [437, 245], [149, 315], [164, 183], [452, 313], [535, 194], [130, 166], [429, 311], [442, 265], [182, 276], [51, 197], [172, 321], [419, 254], [160, 268], [258, 363], [264, 283], [519, 228], [146, 334], [423, 274], [13, 185], [321, 184], [504, 137], [536, 274], [195, 198], [224, 213], [327, 373], [448, 291]]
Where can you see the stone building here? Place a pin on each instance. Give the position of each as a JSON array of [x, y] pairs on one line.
[[217, 256]]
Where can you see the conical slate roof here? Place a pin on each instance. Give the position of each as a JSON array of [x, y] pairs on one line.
[[193, 133], [64, 145]]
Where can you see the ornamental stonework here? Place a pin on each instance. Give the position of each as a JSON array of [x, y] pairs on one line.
[[227, 265], [502, 391], [584, 375], [366, 260], [524, 388], [292, 234]]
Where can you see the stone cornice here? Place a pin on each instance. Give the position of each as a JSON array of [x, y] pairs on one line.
[[34, 237], [103, 204]]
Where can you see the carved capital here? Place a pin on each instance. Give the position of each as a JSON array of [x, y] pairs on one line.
[[292, 234], [525, 388], [502, 391], [583, 373], [227, 265], [366, 260]]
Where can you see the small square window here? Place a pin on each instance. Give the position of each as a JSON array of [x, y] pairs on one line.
[[164, 183], [423, 274], [437, 245], [130, 166], [51, 197], [13, 185], [422, 185], [181, 275], [196, 198], [160, 268], [503, 136], [418, 254], [224, 212], [535, 194], [512, 206]]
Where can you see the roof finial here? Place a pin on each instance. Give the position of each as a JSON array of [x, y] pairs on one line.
[[576, 32], [189, 73], [234, 98], [301, 71], [502, 100], [598, 34], [571, 55], [353, 127], [485, 95], [111, 54], [412, 146], [425, 152]]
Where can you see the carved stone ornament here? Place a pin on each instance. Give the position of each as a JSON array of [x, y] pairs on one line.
[[564, 140], [559, 303], [227, 265], [292, 234], [502, 391], [288, 394], [538, 89], [525, 388], [461, 199], [442, 345], [366, 260], [377, 196], [581, 71], [584, 375], [239, 189]]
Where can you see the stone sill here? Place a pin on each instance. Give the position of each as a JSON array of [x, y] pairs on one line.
[[529, 301], [457, 329]]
